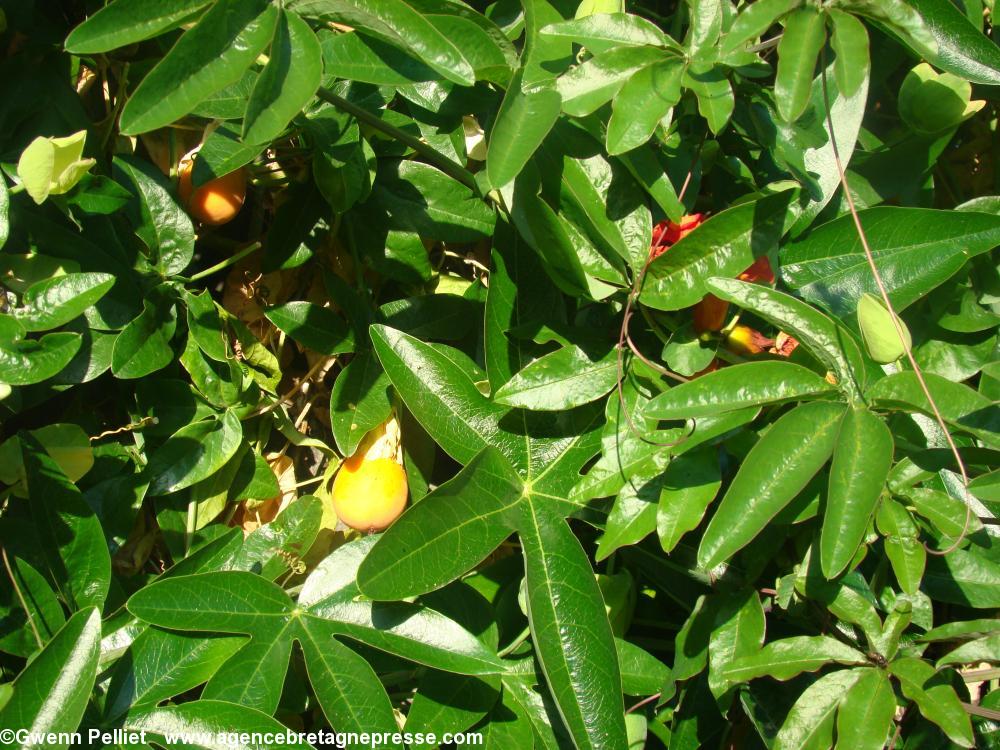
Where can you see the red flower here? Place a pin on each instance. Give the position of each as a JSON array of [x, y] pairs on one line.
[[759, 272], [668, 233]]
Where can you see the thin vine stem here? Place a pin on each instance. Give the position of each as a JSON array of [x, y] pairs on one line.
[[897, 323], [230, 261], [624, 337], [20, 597]]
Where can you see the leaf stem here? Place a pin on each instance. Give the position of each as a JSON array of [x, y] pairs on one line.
[[230, 261], [435, 157]]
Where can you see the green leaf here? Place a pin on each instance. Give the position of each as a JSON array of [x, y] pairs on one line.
[[447, 533], [288, 82], [642, 673], [962, 49], [560, 380], [166, 228], [716, 102], [850, 43], [862, 457], [524, 119], [57, 300], [162, 664], [915, 249], [959, 405], [357, 57], [633, 515], [72, 540], [788, 657], [143, 346], [562, 249], [642, 103], [600, 32], [212, 718], [27, 361], [962, 629], [125, 22], [570, 631], [205, 325], [193, 453], [866, 712], [443, 398], [543, 55], [586, 87], [965, 578], [209, 57], [16, 634], [450, 703], [777, 468], [52, 692], [690, 484], [738, 631], [400, 24], [753, 20], [314, 327], [980, 650], [346, 686], [948, 514], [412, 631], [800, 45], [809, 724], [271, 550], [828, 341], [706, 25], [904, 549], [419, 198], [935, 698], [811, 137], [360, 401], [732, 388], [598, 198], [222, 152], [725, 245]]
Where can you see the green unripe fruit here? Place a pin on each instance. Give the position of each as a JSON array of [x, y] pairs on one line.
[[879, 332]]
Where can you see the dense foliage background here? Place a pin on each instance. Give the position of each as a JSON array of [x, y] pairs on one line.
[[675, 477]]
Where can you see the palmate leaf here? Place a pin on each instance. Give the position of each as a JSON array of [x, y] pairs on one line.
[[246, 604], [534, 479]]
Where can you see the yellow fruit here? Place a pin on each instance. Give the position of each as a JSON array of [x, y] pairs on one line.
[[369, 493], [747, 342], [217, 201]]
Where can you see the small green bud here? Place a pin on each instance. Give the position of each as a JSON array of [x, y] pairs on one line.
[[879, 332], [53, 166], [931, 102]]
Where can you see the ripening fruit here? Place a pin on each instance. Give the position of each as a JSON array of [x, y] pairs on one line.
[[747, 342], [759, 272], [369, 493], [710, 314], [217, 201]]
